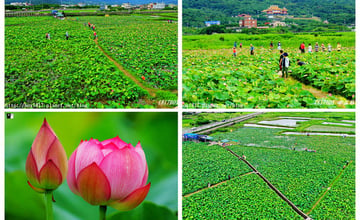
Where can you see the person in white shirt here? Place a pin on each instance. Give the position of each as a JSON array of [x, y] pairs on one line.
[[285, 66]]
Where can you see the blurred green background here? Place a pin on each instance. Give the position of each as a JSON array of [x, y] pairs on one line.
[[157, 132]]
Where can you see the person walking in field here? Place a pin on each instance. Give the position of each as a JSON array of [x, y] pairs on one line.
[[329, 47], [279, 46], [285, 66], [310, 48], [338, 46], [316, 47], [48, 36], [323, 47], [271, 45], [95, 36], [252, 49], [240, 45], [67, 35], [302, 47], [235, 44], [234, 51], [281, 58]]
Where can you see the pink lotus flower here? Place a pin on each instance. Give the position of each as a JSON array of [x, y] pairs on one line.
[[46, 164], [110, 172]]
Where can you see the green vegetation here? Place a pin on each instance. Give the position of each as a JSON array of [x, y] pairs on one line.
[[240, 198], [288, 41], [75, 73], [195, 13], [329, 116], [208, 169], [302, 176], [141, 44], [213, 78], [70, 128]]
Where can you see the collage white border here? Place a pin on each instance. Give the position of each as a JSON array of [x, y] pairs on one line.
[[179, 110]]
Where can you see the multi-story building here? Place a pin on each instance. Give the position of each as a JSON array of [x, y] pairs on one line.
[[247, 21]]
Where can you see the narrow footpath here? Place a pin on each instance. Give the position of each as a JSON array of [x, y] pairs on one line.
[[328, 189], [282, 196], [151, 91], [215, 185], [339, 101]]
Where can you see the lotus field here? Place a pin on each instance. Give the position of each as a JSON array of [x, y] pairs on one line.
[[214, 78], [224, 187], [76, 73]]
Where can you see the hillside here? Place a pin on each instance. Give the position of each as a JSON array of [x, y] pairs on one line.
[[195, 12], [94, 2]]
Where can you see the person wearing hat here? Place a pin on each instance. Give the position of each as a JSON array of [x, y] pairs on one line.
[[285, 65]]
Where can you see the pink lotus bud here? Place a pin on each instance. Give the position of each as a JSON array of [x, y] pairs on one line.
[[46, 164], [110, 172]]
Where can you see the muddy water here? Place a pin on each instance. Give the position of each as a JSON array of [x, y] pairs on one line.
[[314, 133], [265, 126], [283, 122]]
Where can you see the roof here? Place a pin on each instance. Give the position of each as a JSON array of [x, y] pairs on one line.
[[212, 22], [225, 140], [275, 8], [191, 135]]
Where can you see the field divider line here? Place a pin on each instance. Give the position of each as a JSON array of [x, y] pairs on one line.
[[328, 189], [215, 185], [230, 123], [151, 91], [317, 93], [282, 196]]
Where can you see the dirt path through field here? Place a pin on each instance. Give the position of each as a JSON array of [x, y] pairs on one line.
[[215, 185], [151, 91], [328, 189], [339, 101], [271, 186]]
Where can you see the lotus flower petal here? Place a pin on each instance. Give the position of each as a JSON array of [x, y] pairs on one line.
[[57, 154], [110, 172], [88, 152], [31, 169], [93, 185], [128, 166], [39, 190], [46, 164], [50, 176], [133, 200], [44, 139], [116, 141], [71, 179]]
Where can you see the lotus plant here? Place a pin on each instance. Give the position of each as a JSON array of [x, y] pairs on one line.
[[109, 173], [46, 164]]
